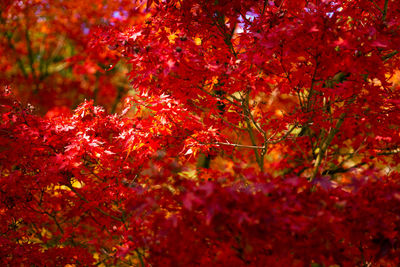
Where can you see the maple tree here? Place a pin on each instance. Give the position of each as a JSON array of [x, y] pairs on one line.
[[48, 59], [261, 133]]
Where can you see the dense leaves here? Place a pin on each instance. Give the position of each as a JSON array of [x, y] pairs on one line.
[[46, 57], [260, 133]]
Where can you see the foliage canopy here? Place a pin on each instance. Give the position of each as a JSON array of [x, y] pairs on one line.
[[260, 133]]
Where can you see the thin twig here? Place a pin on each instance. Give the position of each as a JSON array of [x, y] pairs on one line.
[[376, 5], [385, 7]]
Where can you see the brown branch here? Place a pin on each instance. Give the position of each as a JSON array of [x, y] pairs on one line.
[[385, 7]]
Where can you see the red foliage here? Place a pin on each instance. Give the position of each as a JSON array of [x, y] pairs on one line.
[[261, 133]]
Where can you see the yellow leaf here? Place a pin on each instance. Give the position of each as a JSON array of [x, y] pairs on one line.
[[75, 183], [172, 38], [197, 41]]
